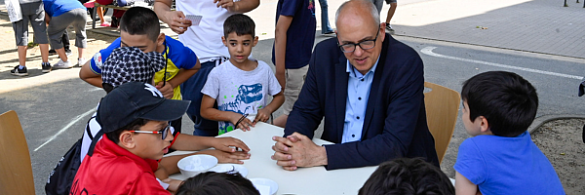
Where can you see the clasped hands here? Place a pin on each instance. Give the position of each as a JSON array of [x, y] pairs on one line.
[[297, 150]]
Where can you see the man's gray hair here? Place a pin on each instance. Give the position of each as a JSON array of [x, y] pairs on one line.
[[368, 4]]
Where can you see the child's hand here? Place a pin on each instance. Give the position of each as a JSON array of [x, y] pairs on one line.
[[244, 124], [227, 157], [173, 184], [229, 144], [166, 90], [262, 115]]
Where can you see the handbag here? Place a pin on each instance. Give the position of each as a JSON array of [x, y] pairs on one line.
[[61, 178]]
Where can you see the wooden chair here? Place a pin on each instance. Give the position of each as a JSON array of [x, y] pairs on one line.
[[442, 106], [16, 175]]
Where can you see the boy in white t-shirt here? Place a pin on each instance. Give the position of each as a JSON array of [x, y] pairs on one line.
[[240, 85]]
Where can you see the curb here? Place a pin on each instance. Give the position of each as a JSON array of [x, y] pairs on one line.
[[538, 122]]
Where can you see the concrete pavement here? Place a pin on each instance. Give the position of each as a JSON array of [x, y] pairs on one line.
[[439, 20]]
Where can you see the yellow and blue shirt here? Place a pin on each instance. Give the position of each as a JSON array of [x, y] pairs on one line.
[[177, 55]]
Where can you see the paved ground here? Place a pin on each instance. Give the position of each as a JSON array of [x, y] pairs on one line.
[[515, 34]]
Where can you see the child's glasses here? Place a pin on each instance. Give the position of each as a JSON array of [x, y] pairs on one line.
[[164, 131]]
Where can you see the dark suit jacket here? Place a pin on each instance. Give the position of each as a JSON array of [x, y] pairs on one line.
[[395, 124]]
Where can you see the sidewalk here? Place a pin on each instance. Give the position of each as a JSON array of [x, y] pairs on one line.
[[540, 26]]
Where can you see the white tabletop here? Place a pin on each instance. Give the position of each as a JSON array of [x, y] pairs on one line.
[[303, 181]]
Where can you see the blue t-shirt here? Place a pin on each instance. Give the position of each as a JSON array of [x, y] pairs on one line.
[[507, 165], [301, 33], [55, 8], [179, 57]]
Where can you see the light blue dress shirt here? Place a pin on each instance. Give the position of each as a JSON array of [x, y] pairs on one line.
[[358, 92]]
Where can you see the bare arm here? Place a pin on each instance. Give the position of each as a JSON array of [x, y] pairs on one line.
[[210, 113], [463, 186], [184, 74], [87, 75], [264, 113], [242, 6], [168, 89], [282, 26]]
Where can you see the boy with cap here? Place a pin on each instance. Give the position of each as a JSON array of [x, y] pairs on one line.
[[130, 64], [135, 119]]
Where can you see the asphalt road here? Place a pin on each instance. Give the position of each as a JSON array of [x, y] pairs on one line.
[[54, 115]]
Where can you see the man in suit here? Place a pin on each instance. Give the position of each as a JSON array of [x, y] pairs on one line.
[[369, 87]]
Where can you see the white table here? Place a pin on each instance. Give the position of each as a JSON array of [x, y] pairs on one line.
[[303, 181]]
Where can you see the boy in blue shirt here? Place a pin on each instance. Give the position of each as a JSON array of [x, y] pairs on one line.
[[138, 30], [293, 45], [59, 15], [240, 86], [501, 158]]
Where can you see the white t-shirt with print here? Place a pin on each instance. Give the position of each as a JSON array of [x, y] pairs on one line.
[[204, 39], [240, 91]]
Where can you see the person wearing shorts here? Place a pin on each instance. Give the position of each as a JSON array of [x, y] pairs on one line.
[[61, 14], [295, 79], [33, 11], [393, 4], [293, 45]]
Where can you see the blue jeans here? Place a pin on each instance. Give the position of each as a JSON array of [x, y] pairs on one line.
[[325, 27], [191, 90]]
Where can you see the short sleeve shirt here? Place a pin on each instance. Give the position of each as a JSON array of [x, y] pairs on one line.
[[240, 91], [301, 33], [507, 165], [178, 57]]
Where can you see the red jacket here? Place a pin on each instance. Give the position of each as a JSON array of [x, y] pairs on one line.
[[114, 170]]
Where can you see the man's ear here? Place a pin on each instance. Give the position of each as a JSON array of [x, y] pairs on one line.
[[224, 41], [382, 32], [127, 140], [255, 41]]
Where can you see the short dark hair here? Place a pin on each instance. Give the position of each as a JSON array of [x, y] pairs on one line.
[[508, 101], [134, 125], [407, 176], [212, 183], [240, 24], [140, 21]]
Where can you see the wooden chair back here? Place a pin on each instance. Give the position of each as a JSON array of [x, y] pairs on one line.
[[16, 175], [442, 107]]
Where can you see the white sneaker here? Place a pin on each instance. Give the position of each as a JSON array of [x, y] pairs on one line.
[[62, 65], [81, 61]]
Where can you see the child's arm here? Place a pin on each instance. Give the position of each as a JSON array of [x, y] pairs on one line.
[[210, 113], [180, 78], [280, 38], [87, 75], [264, 113], [463, 186]]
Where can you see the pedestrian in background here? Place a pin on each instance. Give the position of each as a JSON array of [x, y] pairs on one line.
[[325, 26], [31, 10], [60, 14], [393, 4]]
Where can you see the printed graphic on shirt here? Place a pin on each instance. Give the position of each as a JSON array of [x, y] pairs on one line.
[[248, 100], [312, 6]]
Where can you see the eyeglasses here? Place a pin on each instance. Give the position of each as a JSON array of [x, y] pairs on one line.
[[365, 45], [164, 131]]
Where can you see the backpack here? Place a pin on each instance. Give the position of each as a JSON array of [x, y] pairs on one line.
[[62, 176]]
